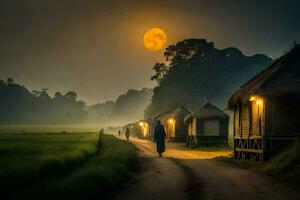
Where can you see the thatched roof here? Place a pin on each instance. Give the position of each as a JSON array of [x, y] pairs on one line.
[[181, 111], [279, 79], [207, 111], [156, 117]]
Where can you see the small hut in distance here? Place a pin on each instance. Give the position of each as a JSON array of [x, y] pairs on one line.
[[138, 129], [266, 109], [207, 125], [174, 125]]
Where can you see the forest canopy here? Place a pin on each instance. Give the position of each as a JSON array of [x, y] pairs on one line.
[[196, 71], [18, 105]]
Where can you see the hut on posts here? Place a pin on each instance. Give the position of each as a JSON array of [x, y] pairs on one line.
[[207, 125], [267, 109]]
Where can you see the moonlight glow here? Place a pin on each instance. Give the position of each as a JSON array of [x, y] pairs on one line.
[[155, 39]]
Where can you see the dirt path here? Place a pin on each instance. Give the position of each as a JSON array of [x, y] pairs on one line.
[[186, 174]]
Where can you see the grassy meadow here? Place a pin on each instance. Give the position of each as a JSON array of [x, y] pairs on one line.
[[32, 165], [50, 128]]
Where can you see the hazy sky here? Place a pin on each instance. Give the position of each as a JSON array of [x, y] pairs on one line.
[[95, 47]]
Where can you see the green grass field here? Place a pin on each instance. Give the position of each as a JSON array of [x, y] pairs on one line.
[[64, 165], [51, 128]]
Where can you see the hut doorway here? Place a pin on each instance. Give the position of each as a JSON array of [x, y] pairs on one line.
[[194, 126], [189, 129], [170, 128], [256, 118], [211, 128], [146, 131]]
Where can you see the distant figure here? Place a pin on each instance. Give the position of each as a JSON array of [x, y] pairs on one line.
[[127, 134], [101, 132], [159, 138], [119, 133]]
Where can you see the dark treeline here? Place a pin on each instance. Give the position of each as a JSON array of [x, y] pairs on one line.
[[195, 71], [127, 108], [19, 105]]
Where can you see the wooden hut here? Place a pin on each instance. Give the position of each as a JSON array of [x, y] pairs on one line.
[[266, 109], [138, 129], [174, 125], [207, 125]]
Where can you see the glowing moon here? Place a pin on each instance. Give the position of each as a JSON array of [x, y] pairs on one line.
[[155, 39]]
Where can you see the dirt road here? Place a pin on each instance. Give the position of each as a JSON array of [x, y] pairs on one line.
[[189, 174]]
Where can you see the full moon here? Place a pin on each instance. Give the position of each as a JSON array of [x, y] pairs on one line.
[[155, 39]]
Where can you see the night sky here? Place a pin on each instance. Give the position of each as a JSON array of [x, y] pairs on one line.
[[95, 47]]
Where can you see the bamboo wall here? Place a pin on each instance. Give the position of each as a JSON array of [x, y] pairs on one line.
[[284, 118], [245, 121], [201, 138], [266, 128]]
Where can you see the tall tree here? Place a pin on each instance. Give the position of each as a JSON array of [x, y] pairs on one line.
[[160, 71], [195, 70], [10, 81]]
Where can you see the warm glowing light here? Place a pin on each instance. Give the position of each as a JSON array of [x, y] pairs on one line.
[[170, 120], [146, 124], [131, 126], [155, 39], [258, 102], [141, 123], [252, 98]]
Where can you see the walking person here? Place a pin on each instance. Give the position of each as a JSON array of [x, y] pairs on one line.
[[127, 134], [101, 133], [159, 138], [119, 133]]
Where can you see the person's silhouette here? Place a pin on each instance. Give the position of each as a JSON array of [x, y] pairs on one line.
[[127, 134], [159, 138]]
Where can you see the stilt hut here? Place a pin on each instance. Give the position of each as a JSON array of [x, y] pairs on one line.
[[266, 109], [207, 125], [174, 125], [153, 122]]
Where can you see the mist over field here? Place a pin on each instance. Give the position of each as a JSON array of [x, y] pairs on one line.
[[34, 111]]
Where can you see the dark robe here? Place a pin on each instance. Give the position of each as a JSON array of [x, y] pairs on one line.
[[127, 134], [159, 137]]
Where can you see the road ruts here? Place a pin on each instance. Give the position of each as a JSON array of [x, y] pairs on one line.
[[191, 175]]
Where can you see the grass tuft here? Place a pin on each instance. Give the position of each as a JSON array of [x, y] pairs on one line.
[[285, 165]]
